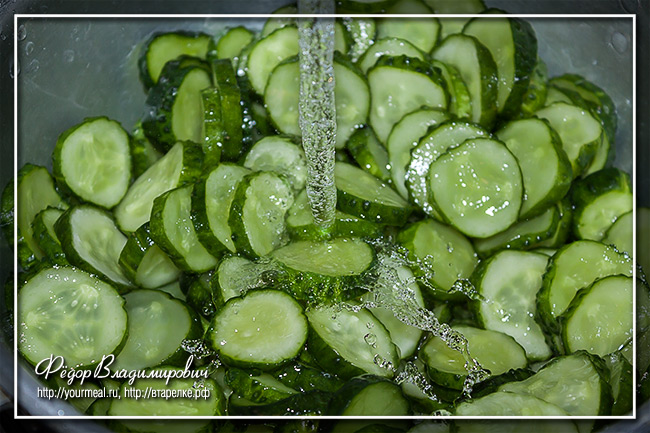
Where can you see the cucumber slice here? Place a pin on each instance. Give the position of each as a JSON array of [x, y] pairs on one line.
[[579, 131], [231, 113], [213, 131], [446, 366], [513, 46], [163, 47], [350, 91], [83, 322], [622, 382], [606, 301], [158, 324], [181, 164], [325, 271], [45, 236], [531, 141], [262, 329], [173, 231], [399, 85], [598, 200], [363, 195], [421, 32], [309, 404], [444, 137], [301, 226], [281, 155], [268, 52], [508, 283], [199, 294], [404, 136], [193, 405], [563, 230], [257, 213], [477, 187], [442, 248], [406, 337], [388, 47], [92, 160], [260, 388], [211, 201], [234, 277], [522, 235], [144, 263], [174, 109], [537, 92], [460, 102], [91, 241], [231, 44], [362, 33], [273, 23], [369, 396], [304, 379], [620, 234], [573, 267], [35, 193], [143, 154], [350, 342], [369, 153], [477, 69], [509, 404], [577, 383]]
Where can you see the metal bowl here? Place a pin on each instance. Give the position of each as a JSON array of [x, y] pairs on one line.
[[71, 68]]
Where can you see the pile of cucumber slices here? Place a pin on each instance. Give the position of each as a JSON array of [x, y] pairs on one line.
[[192, 233]]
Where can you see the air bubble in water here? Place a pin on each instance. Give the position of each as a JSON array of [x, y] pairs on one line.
[[68, 56], [22, 32], [29, 48]]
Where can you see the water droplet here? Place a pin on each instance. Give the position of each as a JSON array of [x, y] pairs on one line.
[[33, 66], [371, 340], [22, 32], [619, 42], [68, 56], [29, 48]]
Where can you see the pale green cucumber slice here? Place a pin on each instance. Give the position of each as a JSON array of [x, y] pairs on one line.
[[421, 32], [509, 404], [477, 187], [93, 161], [579, 131], [158, 324], [620, 233], [399, 85], [262, 329], [268, 52], [388, 47], [404, 136], [600, 317], [531, 141], [508, 283], [281, 155], [66, 312], [446, 136]]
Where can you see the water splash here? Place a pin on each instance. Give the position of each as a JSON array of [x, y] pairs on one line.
[[317, 108], [390, 291]]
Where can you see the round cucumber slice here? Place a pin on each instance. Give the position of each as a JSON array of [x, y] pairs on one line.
[[262, 329], [66, 312]]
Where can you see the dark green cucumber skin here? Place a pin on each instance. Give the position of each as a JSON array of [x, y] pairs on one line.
[[157, 121], [27, 258], [587, 189], [225, 80], [303, 378], [137, 245], [357, 146], [157, 230], [243, 384], [308, 404], [63, 229], [50, 247], [59, 177], [393, 216], [534, 97], [143, 155], [491, 384], [343, 397], [201, 221], [563, 231], [145, 76], [199, 295]]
